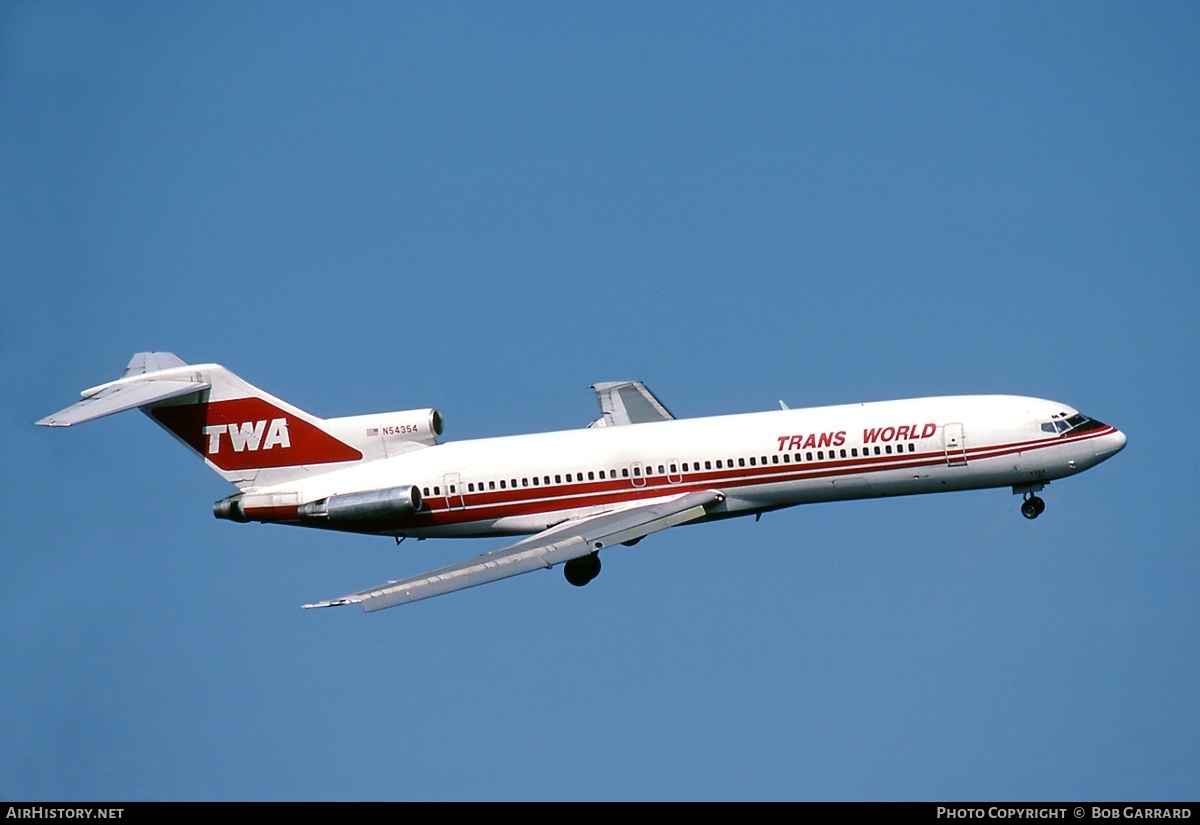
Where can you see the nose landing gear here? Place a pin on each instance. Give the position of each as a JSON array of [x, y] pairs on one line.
[[1032, 506]]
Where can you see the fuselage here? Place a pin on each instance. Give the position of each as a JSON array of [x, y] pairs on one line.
[[759, 461]]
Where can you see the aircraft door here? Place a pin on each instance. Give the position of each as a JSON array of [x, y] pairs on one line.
[[674, 474], [637, 474], [454, 491], [956, 445]]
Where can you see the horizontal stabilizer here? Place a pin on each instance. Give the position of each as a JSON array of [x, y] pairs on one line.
[[119, 397]]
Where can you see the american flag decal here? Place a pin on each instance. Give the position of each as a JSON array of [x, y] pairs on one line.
[[372, 431]]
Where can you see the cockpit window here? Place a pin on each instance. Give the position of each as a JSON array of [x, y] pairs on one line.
[[1074, 424]]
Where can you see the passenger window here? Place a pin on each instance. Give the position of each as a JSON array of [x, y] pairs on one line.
[[425, 491], [471, 487], [808, 456], [502, 484], [491, 485], [624, 473], [742, 462]]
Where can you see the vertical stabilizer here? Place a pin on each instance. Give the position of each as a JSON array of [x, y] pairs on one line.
[[249, 437]]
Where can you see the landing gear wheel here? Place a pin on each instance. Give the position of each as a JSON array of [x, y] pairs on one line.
[[581, 571], [1032, 507]]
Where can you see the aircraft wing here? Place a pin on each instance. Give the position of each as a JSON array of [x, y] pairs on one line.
[[570, 540], [627, 402]]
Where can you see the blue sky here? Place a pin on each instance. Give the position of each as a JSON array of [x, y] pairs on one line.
[[487, 207]]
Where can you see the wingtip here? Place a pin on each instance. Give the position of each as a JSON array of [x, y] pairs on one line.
[[329, 603]]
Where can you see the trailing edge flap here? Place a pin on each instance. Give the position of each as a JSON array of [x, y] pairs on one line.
[[561, 543], [136, 387], [627, 402]]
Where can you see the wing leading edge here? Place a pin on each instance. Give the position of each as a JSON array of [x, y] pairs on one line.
[[561, 543]]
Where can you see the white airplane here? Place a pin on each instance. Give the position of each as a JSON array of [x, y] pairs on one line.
[[631, 472]]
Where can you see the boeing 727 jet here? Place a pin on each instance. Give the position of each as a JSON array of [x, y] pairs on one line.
[[633, 471]]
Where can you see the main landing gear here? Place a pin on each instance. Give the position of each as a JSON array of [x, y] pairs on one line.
[[582, 570]]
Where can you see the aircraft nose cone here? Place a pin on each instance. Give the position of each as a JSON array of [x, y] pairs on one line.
[[1110, 445]]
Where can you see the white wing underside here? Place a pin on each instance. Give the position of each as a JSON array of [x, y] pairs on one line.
[[570, 540]]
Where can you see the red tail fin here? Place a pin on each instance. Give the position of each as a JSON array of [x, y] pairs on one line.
[[251, 433]]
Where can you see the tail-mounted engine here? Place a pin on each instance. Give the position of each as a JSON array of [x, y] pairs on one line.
[[345, 511], [388, 434], [371, 506]]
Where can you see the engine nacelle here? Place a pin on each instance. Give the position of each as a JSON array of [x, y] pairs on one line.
[[411, 425], [266, 507], [382, 435], [369, 506], [230, 508]]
